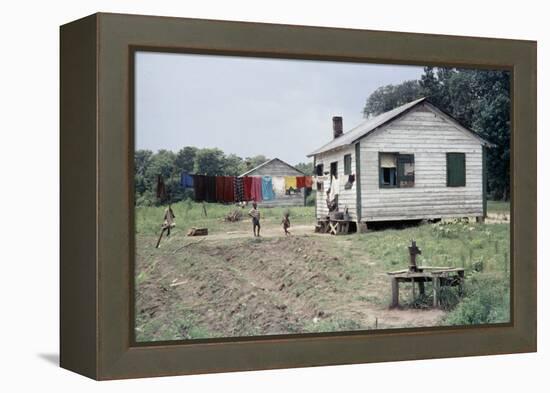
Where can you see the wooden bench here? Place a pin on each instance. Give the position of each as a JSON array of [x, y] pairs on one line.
[[438, 276]]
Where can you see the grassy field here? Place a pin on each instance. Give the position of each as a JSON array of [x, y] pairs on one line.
[[495, 207], [190, 214], [231, 284]]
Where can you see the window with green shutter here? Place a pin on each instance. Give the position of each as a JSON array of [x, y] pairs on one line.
[[396, 170], [456, 169], [405, 170], [347, 164]]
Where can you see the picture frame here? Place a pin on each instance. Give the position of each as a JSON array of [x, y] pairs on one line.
[[96, 144]]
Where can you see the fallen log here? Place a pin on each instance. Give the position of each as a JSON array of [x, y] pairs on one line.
[[197, 232]]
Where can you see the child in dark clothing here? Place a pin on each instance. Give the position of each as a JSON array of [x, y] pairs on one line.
[[255, 214], [286, 223]]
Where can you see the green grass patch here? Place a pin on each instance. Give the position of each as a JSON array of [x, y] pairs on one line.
[[454, 245], [486, 300], [191, 214], [498, 207]]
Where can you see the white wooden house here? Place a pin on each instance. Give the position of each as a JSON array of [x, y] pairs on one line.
[[413, 162]]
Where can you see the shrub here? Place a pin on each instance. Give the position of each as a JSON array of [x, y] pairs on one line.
[[486, 300], [310, 199]]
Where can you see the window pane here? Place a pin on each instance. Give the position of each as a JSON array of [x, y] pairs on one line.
[[347, 164], [405, 170], [334, 169]]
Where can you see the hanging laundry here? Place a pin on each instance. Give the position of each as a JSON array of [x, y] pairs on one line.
[[349, 183], [300, 181], [199, 182], [308, 181], [278, 185], [239, 189], [210, 188], [229, 188], [219, 188], [247, 188], [161, 188], [267, 188], [186, 180], [182, 179], [334, 187], [256, 192], [290, 182]]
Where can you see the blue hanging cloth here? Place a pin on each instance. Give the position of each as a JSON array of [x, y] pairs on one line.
[[267, 188], [186, 180]]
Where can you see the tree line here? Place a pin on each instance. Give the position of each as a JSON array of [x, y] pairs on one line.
[[208, 161], [478, 99]]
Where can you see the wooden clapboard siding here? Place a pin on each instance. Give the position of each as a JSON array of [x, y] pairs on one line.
[[286, 200], [346, 198], [426, 134]]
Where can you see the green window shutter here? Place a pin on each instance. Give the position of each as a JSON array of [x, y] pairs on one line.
[[380, 173], [347, 164], [456, 170]]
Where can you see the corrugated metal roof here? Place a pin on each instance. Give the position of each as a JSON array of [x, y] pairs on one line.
[[372, 124], [268, 162], [365, 127]]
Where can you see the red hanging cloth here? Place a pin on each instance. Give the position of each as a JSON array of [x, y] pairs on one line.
[[229, 188], [219, 188], [256, 193], [247, 188]]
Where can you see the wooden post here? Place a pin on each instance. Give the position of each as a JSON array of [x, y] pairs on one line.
[[436, 283], [394, 292], [461, 283], [421, 288], [160, 237], [413, 252], [413, 290]]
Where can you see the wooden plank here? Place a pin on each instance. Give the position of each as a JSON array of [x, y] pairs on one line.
[[436, 291], [358, 190], [394, 293]]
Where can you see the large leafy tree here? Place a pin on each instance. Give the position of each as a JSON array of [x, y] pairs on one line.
[[478, 99], [254, 161], [387, 97], [209, 162], [305, 167], [233, 165], [141, 162], [185, 158]]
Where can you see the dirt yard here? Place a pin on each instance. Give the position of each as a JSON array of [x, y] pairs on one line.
[[231, 284]]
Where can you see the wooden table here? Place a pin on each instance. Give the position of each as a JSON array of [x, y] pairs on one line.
[[439, 276]]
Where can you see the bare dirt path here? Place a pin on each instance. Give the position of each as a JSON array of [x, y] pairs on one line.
[[266, 232], [232, 284]]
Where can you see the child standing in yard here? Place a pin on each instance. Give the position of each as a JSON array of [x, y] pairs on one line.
[[286, 223], [255, 214]]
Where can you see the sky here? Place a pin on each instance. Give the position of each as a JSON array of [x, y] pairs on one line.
[[250, 106]]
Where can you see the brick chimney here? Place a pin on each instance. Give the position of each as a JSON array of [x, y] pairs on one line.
[[337, 127]]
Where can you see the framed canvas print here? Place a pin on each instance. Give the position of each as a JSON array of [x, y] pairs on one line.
[[241, 196]]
